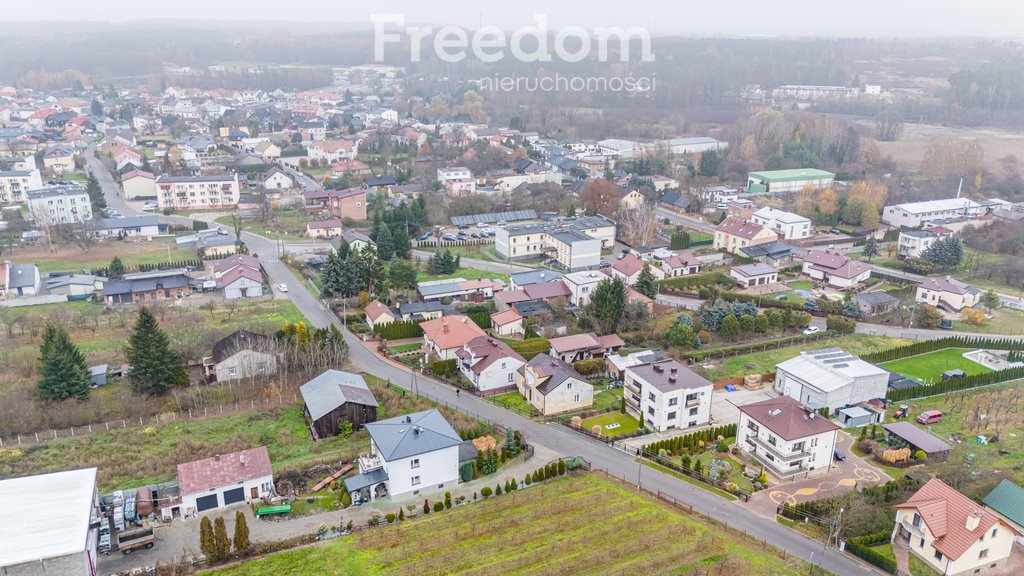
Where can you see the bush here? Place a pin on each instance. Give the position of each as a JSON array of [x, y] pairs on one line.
[[867, 445], [497, 490], [438, 506], [389, 517], [840, 324], [528, 480], [920, 455], [443, 367], [486, 491], [722, 447], [590, 366], [862, 548], [426, 506], [399, 330], [561, 467]]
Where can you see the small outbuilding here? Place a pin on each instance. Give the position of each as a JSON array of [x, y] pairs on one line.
[[225, 479], [918, 439], [337, 396], [98, 376]]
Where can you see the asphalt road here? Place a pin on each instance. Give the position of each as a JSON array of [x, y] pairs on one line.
[[558, 438]]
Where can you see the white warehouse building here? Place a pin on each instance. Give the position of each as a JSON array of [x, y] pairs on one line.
[[830, 377]]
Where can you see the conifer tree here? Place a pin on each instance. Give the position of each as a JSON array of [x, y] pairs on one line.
[[206, 543], [63, 368], [155, 367], [221, 544], [241, 532]]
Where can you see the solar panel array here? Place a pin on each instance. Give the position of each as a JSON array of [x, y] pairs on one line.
[[493, 217], [834, 357]]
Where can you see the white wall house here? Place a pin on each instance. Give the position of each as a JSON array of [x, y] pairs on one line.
[[830, 377], [947, 293], [194, 192], [225, 479], [46, 524], [581, 285], [786, 224], [666, 394], [15, 184], [60, 205], [552, 386], [913, 243], [915, 214], [489, 364], [408, 454], [453, 173], [786, 437], [243, 354]]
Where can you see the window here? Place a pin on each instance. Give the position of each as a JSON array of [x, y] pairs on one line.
[[671, 416], [673, 401], [693, 411], [415, 462], [983, 554], [798, 447], [415, 481], [938, 555], [511, 377], [650, 411], [994, 532], [568, 385], [576, 399], [650, 396], [921, 543], [917, 520]]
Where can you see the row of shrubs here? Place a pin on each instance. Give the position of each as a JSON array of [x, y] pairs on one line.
[[862, 547], [590, 366], [942, 343], [698, 280], [764, 301], [691, 441], [443, 367], [753, 347], [957, 384], [399, 330]]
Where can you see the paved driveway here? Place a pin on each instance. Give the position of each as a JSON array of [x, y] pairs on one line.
[[850, 474], [725, 405]]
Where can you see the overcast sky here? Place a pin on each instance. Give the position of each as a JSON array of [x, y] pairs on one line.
[[872, 18]]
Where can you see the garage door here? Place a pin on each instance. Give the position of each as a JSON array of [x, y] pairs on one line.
[[206, 502], [234, 495]]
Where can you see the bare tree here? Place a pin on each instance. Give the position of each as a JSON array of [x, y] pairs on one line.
[[638, 225]]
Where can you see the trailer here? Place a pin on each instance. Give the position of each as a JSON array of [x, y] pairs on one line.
[[273, 510], [131, 540]]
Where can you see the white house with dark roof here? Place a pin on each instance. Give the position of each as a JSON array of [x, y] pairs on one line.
[[948, 294], [913, 243], [665, 394], [786, 224], [757, 274], [787, 437], [489, 364], [830, 378], [408, 454]]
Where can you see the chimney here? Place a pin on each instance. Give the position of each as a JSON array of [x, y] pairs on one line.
[[973, 519], [217, 457], [674, 369], [672, 379], [444, 328]]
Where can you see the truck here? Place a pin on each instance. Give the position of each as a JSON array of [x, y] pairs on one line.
[[131, 540]]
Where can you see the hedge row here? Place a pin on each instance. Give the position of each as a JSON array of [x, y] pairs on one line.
[[957, 384], [531, 347], [154, 266], [753, 347], [862, 548], [766, 301], [695, 280], [590, 366], [941, 344], [443, 367], [399, 330], [677, 444], [481, 319]]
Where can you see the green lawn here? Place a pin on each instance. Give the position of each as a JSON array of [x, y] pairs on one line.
[[467, 273], [478, 252], [513, 401], [546, 529], [687, 479], [607, 398], [919, 567], [801, 285], [764, 362], [886, 551], [929, 367], [1003, 321], [401, 349], [627, 424]]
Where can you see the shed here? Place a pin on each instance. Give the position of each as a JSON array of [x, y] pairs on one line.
[[855, 416], [954, 373], [335, 396], [919, 439], [98, 375]]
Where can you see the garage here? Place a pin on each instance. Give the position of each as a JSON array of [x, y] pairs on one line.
[[234, 495], [206, 502]]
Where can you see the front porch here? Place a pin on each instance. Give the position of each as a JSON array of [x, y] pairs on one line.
[[368, 486]]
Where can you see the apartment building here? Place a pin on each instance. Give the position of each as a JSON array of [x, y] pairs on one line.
[[15, 184], [60, 205], [197, 192], [786, 224]]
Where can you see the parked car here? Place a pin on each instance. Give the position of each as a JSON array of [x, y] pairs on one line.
[[930, 417], [448, 237], [423, 236], [463, 226], [474, 235], [222, 231], [946, 324], [838, 455], [282, 287], [782, 297], [811, 330], [606, 264]]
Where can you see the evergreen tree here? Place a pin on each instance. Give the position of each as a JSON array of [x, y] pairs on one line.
[[344, 249], [221, 544], [96, 108], [402, 275], [155, 367], [401, 242], [870, 248], [607, 303], [95, 192], [945, 253], [206, 542], [645, 282], [116, 267], [63, 368], [710, 163], [385, 246], [331, 275], [730, 327], [241, 539]]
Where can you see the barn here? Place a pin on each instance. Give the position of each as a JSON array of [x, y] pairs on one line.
[[336, 396]]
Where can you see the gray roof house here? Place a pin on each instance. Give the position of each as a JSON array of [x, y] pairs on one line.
[[336, 396], [410, 453], [24, 280]]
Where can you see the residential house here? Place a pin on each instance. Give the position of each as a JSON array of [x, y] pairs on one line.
[[916, 214], [348, 203], [242, 282], [676, 201], [749, 275], [444, 175], [268, 151], [529, 277], [349, 167], [776, 254], [59, 159], [680, 264], [532, 293], [324, 228], [951, 533], [830, 378], [581, 285], [60, 205], [552, 386], [913, 243], [424, 310], [127, 227], [786, 224], [907, 434], [507, 323], [216, 246], [489, 364], [629, 268], [665, 395], [330, 151], [356, 240], [835, 269], [197, 192], [584, 346], [222, 267], [335, 397], [49, 524], [276, 179], [947, 294], [1007, 500], [408, 454], [629, 198], [22, 279], [144, 286], [136, 184], [732, 235], [459, 289], [225, 479], [243, 354], [787, 437], [576, 243], [445, 336], [876, 302], [379, 314]]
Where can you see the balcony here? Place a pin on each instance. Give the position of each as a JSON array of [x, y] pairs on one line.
[[914, 530], [692, 403], [632, 387], [369, 461], [779, 454]]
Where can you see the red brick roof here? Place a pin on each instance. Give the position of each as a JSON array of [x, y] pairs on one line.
[[506, 317], [629, 265], [575, 342], [321, 224], [376, 309], [451, 331], [239, 272], [223, 470]]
